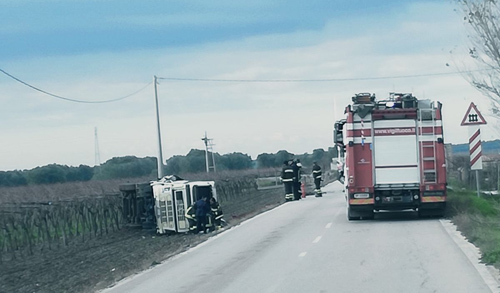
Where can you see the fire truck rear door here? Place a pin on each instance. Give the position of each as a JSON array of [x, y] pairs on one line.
[[395, 152]]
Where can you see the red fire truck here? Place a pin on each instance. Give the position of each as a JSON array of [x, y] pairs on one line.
[[393, 155]]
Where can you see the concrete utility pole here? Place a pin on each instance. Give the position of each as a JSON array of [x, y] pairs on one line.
[[209, 148], [96, 149], [160, 154]]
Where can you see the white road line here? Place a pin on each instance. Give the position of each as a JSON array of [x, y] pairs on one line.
[[302, 254], [328, 225], [317, 239]]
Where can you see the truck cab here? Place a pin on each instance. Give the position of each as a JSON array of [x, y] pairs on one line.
[[173, 196]]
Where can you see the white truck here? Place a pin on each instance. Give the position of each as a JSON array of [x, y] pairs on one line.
[[172, 198]]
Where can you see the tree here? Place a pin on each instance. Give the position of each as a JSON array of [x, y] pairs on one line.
[[282, 156], [49, 174], [235, 161], [12, 178], [80, 173], [482, 17], [126, 167], [266, 160], [197, 161]]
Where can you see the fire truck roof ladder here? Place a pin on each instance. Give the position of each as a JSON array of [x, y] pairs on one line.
[[428, 147]]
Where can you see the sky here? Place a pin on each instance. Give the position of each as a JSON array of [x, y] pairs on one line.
[[86, 52]]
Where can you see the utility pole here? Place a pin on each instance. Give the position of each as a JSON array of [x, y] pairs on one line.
[[96, 150], [209, 148], [160, 154], [498, 176]]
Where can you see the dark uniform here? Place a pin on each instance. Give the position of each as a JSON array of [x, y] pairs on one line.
[[191, 217], [317, 179], [287, 178], [202, 209], [216, 213], [296, 166]]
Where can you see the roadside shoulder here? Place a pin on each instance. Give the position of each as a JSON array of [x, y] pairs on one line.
[[489, 274]]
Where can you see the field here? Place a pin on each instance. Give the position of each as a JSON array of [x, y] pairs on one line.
[[72, 237]]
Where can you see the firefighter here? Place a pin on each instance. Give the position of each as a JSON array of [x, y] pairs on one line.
[[296, 166], [287, 179], [216, 213], [191, 217], [202, 210], [316, 174], [340, 171]]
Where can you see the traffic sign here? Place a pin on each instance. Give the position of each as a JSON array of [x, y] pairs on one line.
[[473, 116], [475, 150]]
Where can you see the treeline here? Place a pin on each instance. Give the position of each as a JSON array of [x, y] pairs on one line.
[[132, 167]]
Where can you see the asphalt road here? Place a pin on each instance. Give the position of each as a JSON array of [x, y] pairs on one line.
[[309, 246]]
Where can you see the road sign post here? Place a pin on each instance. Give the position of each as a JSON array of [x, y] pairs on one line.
[[473, 119]]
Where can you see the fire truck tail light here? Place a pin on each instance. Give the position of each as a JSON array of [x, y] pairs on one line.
[[361, 195]]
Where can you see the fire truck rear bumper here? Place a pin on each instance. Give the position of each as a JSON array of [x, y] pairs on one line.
[[433, 206], [396, 206]]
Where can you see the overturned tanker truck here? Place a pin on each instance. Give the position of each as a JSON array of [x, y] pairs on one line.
[[393, 155]]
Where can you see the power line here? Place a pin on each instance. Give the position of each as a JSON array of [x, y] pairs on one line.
[[68, 99], [317, 80]]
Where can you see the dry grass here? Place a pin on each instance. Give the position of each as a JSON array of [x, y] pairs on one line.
[[62, 191]]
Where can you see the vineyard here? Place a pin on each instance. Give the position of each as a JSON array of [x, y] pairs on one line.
[[32, 228], [74, 237]]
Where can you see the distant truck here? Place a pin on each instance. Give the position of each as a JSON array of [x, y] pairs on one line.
[[393, 155], [173, 196]]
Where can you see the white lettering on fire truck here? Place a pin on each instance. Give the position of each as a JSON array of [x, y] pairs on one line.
[[395, 131]]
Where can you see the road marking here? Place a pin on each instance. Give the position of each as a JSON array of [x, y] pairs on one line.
[[328, 225], [317, 239], [302, 254]]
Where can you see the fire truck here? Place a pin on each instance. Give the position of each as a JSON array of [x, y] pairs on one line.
[[393, 155]]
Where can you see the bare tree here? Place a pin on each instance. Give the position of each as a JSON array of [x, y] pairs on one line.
[[482, 18]]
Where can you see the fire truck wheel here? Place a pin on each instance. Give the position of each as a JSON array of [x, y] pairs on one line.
[[440, 213], [369, 216], [350, 216], [431, 213]]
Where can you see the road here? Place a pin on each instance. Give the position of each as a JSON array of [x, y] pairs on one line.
[[309, 246]]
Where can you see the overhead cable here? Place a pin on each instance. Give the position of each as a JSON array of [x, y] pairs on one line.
[[316, 80], [68, 99]]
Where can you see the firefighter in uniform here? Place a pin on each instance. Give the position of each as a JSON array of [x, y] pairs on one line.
[[287, 179], [202, 211], [191, 217], [296, 166], [216, 213], [316, 174]]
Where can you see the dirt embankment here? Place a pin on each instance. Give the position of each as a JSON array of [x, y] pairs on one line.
[[102, 261]]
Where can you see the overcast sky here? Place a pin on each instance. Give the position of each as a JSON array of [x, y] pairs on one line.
[[108, 49]]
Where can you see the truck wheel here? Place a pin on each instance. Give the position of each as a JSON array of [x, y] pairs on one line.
[[350, 217], [369, 216], [438, 213]]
